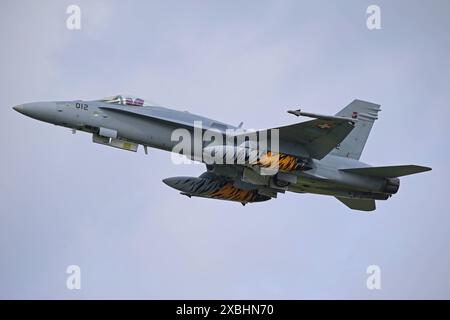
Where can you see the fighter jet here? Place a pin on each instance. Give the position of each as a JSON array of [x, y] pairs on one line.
[[319, 156]]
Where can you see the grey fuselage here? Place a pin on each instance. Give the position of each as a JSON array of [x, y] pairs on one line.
[[153, 126]]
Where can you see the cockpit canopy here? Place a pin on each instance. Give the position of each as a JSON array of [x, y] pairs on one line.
[[127, 100]]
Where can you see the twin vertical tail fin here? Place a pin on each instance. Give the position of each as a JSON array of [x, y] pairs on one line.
[[365, 113], [352, 146]]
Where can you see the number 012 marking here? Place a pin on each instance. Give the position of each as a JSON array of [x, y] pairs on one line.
[[82, 106]]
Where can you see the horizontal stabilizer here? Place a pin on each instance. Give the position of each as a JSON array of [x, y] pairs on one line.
[[388, 172], [358, 204]]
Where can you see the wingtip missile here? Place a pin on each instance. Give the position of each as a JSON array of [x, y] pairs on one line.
[[295, 112], [299, 113]]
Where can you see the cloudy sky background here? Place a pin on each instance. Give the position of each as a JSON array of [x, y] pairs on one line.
[[67, 201]]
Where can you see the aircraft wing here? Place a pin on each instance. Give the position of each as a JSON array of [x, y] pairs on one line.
[[319, 137]]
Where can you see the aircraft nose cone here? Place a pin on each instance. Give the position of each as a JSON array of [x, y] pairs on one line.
[[18, 108], [43, 111]]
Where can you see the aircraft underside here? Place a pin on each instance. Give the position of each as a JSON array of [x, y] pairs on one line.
[[319, 156]]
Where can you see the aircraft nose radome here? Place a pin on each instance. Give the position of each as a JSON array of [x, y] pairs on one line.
[[18, 108]]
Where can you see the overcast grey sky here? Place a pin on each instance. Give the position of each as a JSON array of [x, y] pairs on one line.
[[67, 201]]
